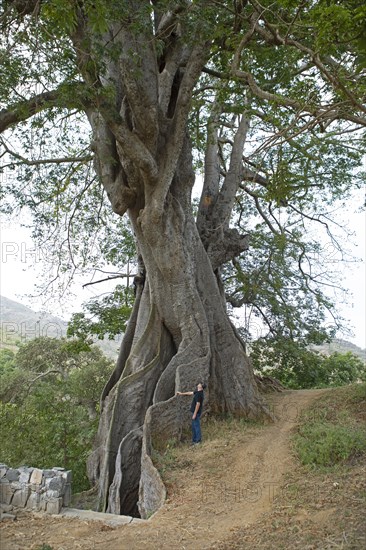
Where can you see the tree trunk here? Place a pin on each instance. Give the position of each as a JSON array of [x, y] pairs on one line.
[[181, 334]]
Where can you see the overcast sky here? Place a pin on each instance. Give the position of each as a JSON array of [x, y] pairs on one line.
[[20, 265]]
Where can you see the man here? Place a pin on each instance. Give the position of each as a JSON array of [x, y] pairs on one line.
[[196, 410]]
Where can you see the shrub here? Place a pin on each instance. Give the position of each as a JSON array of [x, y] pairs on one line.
[[327, 444], [332, 431]]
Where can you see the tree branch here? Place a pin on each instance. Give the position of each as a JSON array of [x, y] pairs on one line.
[[140, 75], [119, 276], [268, 96], [42, 375], [26, 109], [226, 245], [37, 162], [26, 7], [47, 100], [226, 198], [275, 37], [178, 126], [211, 181], [260, 210]]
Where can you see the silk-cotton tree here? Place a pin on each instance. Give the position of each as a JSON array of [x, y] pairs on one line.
[[141, 80]]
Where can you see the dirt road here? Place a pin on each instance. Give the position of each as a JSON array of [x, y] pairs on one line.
[[226, 483]]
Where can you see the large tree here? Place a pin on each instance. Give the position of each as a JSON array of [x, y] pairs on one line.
[[146, 77]]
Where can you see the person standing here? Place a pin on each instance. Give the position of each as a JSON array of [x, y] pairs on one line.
[[196, 410]]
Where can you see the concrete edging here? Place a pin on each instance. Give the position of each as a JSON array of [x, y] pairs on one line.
[[90, 515]]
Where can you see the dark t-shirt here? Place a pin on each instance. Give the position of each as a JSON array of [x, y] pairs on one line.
[[197, 398]]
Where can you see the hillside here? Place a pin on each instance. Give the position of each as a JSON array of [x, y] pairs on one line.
[[341, 346], [20, 324]]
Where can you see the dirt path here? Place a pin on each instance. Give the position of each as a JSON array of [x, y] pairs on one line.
[[226, 483]]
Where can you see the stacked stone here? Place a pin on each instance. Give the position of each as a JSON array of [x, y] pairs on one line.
[[40, 490]]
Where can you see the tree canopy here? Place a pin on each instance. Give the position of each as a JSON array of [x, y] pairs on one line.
[[295, 71]]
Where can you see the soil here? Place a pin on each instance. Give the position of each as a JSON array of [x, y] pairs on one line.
[[232, 491]]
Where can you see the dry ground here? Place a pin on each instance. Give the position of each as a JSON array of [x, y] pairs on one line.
[[242, 488]]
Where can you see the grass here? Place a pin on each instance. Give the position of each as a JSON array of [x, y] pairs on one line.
[[171, 457], [165, 459], [227, 426], [325, 444], [168, 454], [331, 432]]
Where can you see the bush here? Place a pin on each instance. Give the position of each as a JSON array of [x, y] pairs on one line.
[[49, 398], [332, 431], [296, 367], [50, 432], [326, 444]]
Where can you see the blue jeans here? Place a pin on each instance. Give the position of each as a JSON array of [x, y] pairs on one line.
[[196, 429]]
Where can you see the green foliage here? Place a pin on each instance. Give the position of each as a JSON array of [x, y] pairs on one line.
[[43, 353], [50, 400], [164, 458], [343, 368], [326, 444], [6, 360], [308, 161], [330, 432], [297, 367], [267, 281], [62, 14], [339, 24], [105, 316], [51, 431], [359, 394]]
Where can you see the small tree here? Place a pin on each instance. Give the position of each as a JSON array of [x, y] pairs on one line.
[[295, 366], [344, 368], [50, 401], [105, 317]]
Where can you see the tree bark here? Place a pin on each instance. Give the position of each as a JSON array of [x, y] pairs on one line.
[[181, 334]]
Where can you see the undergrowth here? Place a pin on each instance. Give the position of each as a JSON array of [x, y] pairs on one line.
[[332, 431], [169, 456], [223, 426], [165, 459]]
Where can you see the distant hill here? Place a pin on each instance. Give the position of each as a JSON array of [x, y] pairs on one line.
[[20, 324], [341, 346]]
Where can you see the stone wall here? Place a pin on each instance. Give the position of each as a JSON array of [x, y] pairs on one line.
[[40, 490]]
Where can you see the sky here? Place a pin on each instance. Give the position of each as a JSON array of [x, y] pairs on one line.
[[21, 265]]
